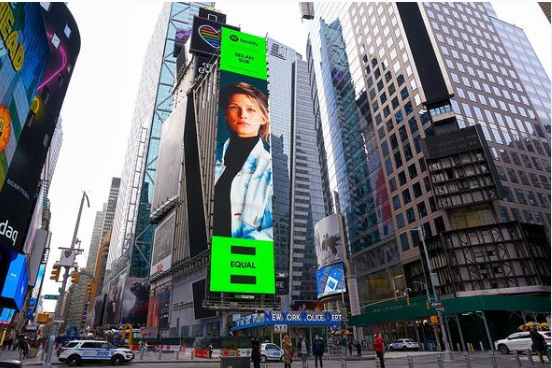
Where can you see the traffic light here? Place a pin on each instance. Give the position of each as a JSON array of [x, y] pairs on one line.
[[75, 276], [56, 270], [90, 288], [407, 299], [428, 305], [434, 320]]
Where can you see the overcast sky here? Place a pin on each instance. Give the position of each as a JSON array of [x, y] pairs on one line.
[[98, 108]]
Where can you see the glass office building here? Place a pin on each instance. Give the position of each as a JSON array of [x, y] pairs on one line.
[[297, 202], [384, 108], [131, 244]]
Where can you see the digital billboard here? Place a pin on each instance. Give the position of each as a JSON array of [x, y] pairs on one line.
[[24, 54], [16, 282], [134, 309], [327, 238], [163, 245], [6, 316], [242, 250], [205, 36], [330, 280]]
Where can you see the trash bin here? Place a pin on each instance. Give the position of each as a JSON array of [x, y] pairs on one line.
[[10, 363], [231, 362]]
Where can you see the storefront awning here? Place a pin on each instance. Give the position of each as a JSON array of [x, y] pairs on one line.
[[398, 310]]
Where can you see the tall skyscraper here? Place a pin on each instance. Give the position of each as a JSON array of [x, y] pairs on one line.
[[103, 223], [429, 133], [130, 251], [297, 201]]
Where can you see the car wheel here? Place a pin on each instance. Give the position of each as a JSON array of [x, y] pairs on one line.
[[117, 360], [404, 348], [391, 348], [263, 359], [503, 349], [73, 360]]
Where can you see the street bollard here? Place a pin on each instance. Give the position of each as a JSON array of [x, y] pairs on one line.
[[458, 347], [516, 357], [481, 346], [440, 360], [178, 353], [529, 356], [160, 351], [410, 361], [493, 359], [467, 359]]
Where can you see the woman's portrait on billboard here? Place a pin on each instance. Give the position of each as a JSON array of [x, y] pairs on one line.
[[243, 170]]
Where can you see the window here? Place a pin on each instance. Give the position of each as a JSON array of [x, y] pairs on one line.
[[412, 171], [410, 216], [402, 178], [406, 196], [404, 242], [400, 220], [422, 211], [396, 202], [417, 188]]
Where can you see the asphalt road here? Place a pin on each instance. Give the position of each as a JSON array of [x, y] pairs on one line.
[[393, 360]]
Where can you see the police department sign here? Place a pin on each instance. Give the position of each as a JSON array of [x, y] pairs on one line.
[[300, 318]]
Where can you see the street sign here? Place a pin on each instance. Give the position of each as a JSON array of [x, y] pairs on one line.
[[59, 319], [440, 309], [51, 297], [436, 304]]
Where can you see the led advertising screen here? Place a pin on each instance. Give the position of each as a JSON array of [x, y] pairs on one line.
[[327, 237], [205, 36], [6, 316], [242, 253], [16, 282], [24, 53], [330, 280], [163, 245]]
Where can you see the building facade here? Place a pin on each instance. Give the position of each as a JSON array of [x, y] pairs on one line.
[[131, 246], [396, 85]]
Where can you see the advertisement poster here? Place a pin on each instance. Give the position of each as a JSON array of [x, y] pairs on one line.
[[330, 280], [134, 309], [242, 254], [163, 245], [113, 304], [327, 238]]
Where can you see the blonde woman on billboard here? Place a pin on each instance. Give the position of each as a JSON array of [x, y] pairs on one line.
[[243, 173]]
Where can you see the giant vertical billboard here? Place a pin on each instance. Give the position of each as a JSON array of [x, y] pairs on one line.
[[24, 54], [242, 253], [134, 309]]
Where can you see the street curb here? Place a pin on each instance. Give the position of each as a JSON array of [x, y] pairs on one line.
[[139, 362]]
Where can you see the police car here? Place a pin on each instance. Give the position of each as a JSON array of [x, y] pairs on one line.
[[80, 351], [271, 352]]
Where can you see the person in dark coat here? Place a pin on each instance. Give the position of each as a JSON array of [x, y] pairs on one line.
[[255, 352], [539, 344], [318, 351], [359, 349]]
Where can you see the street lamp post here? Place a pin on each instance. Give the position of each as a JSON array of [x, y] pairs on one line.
[[55, 326], [447, 352]]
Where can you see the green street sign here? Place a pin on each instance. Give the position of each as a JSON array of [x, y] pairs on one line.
[[243, 54], [242, 266], [51, 297]]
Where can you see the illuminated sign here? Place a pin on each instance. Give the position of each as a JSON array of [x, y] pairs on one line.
[[7, 316], [243, 54], [300, 318], [10, 36], [330, 280], [242, 265], [242, 251], [15, 285]]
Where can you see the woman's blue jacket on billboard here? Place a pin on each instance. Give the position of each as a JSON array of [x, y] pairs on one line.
[[250, 194]]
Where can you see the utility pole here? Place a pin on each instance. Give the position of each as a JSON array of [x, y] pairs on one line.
[[447, 352], [55, 326]]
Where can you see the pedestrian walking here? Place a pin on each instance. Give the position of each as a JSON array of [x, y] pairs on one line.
[[350, 347], [318, 351], [210, 350], [344, 345], [303, 348], [255, 352], [23, 348], [379, 349], [288, 352], [359, 349], [539, 344]]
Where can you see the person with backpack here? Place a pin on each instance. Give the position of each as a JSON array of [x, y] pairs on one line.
[[379, 348], [303, 348], [318, 350]]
